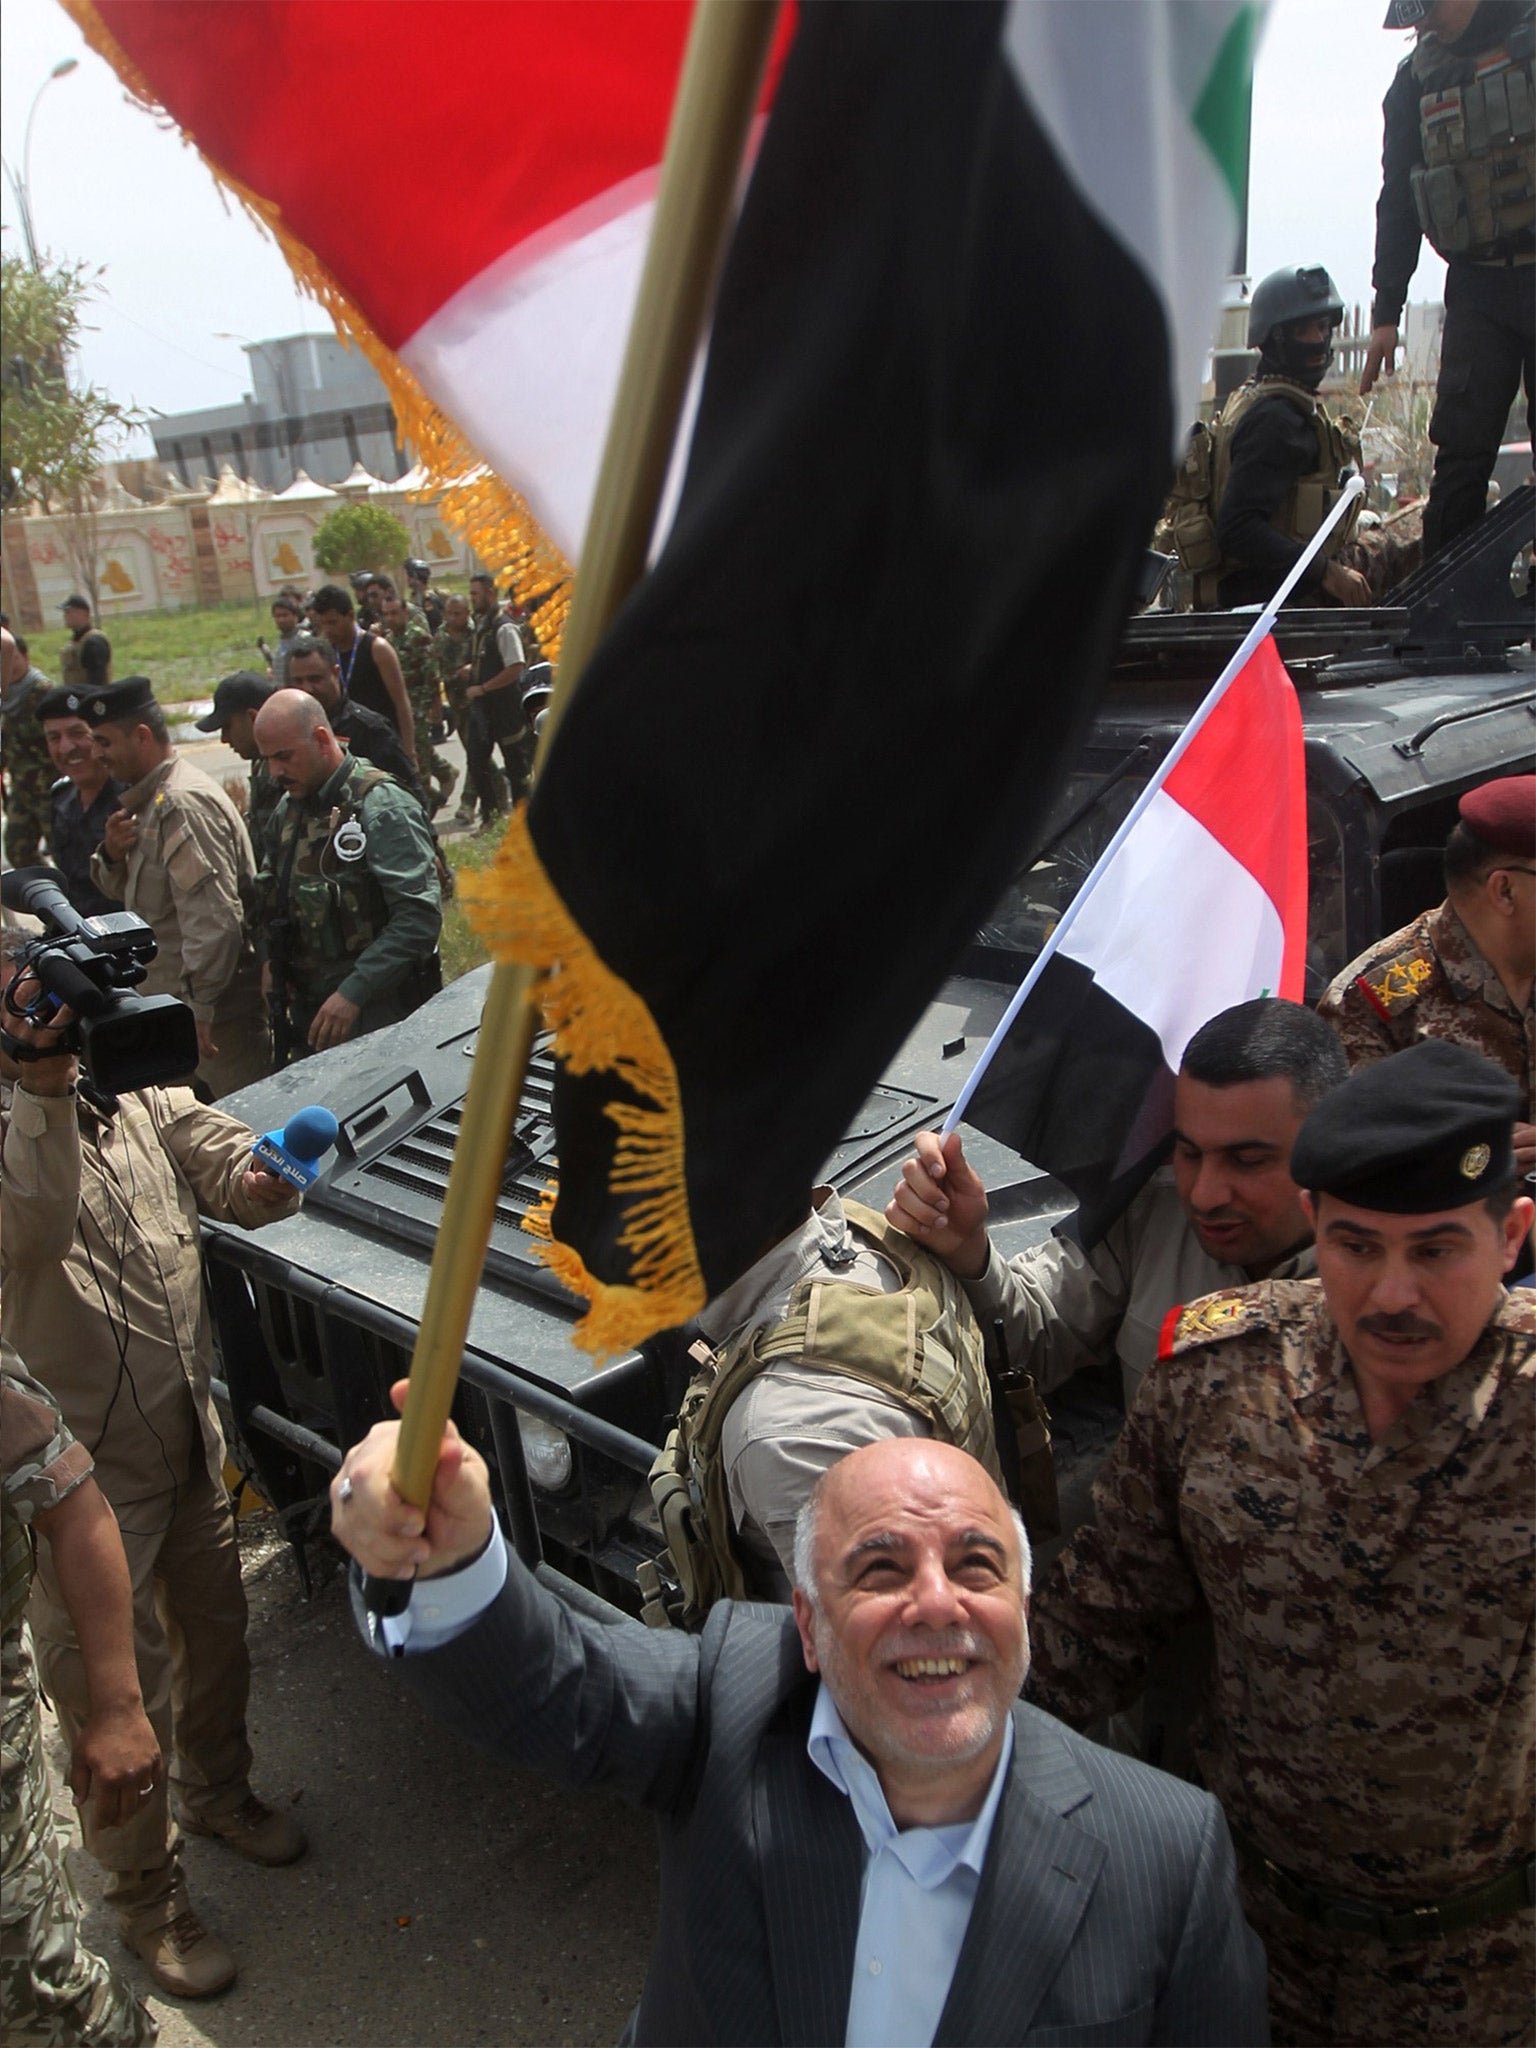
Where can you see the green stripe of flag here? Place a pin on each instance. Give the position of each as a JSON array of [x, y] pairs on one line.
[[1225, 106]]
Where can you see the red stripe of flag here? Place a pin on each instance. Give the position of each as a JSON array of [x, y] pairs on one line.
[[1257, 723]]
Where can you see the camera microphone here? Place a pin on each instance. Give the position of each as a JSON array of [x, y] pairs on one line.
[[292, 1152]]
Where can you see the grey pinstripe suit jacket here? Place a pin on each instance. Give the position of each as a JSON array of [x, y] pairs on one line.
[[1107, 1909]]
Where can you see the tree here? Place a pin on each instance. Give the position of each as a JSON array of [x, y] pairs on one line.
[[360, 537], [54, 429]]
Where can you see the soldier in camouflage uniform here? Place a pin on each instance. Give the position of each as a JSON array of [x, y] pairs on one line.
[[1340, 1473], [23, 753], [453, 662], [411, 638], [55, 1991], [1463, 971], [351, 904]]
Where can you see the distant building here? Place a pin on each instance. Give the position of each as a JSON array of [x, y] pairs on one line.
[[315, 406]]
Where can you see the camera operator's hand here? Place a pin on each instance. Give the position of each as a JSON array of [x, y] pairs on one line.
[[121, 835], [333, 1021], [53, 1075]]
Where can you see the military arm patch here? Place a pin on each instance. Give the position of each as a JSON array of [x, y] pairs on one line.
[[1231, 1313], [1396, 985]]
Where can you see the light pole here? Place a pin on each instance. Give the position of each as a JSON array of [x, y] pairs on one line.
[[22, 186]]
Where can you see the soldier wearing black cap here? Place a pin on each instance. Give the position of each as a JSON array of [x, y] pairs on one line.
[[232, 715], [80, 801], [177, 852], [1463, 971], [1339, 1473]]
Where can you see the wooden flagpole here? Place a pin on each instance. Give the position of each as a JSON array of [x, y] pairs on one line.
[[712, 115]]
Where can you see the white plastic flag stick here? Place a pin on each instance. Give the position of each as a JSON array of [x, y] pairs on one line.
[[1251, 639]]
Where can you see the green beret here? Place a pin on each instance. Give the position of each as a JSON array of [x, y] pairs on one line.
[[1430, 1128]]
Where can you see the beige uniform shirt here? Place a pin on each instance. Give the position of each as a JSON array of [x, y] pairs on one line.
[[1063, 1308], [101, 1272], [189, 877], [794, 1422]]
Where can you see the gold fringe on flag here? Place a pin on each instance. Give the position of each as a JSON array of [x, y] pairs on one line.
[[600, 1024], [495, 519]]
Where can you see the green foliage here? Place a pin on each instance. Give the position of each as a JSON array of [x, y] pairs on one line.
[[53, 430], [360, 537]]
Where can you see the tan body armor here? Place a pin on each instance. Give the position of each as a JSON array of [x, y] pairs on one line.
[[921, 1344], [1475, 192], [1189, 519]]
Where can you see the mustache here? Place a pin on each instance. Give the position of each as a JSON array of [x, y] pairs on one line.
[[1404, 1324]]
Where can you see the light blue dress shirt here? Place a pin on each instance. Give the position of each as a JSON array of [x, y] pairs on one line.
[[444, 1607], [915, 1902]]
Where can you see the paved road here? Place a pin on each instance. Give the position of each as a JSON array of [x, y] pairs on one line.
[[445, 1900]]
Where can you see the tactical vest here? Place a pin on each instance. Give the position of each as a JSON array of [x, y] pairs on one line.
[[488, 661], [1189, 518], [333, 906], [921, 1344], [1475, 192]]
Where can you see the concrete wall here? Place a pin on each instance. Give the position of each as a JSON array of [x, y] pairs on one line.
[[213, 548]]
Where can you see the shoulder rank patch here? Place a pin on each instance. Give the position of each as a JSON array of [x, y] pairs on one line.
[[1398, 983], [1229, 1314]]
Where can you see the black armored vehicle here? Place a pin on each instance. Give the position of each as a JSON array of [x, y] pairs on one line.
[[1404, 709]]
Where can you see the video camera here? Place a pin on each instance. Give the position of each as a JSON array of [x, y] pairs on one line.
[[92, 965]]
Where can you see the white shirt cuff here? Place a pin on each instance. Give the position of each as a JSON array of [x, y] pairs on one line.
[[445, 1607]]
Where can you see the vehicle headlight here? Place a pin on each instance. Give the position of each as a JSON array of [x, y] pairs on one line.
[[547, 1451]]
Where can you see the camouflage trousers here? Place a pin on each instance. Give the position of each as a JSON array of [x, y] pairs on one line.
[[1472, 1990], [28, 811], [54, 1991], [437, 772]]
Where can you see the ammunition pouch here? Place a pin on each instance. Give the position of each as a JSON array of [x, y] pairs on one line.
[[1475, 192], [920, 1343], [1038, 1501]]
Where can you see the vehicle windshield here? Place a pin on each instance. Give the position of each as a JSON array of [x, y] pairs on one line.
[[1034, 900]]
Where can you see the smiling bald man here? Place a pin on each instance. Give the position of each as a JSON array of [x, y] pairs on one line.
[[865, 1836]]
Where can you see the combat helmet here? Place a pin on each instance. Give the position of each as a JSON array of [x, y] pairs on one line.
[[1279, 299]]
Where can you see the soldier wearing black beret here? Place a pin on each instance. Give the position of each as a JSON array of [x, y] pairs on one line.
[[176, 852], [1338, 1475], [1462, 971], [80, 800]]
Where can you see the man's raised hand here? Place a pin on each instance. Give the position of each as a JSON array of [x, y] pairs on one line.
[[941, 1202], [389, 1537]]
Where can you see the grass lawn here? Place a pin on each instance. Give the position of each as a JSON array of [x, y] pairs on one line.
[[183, 653], [461, 949]]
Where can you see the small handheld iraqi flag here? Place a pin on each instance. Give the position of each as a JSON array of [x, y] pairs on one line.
[[1198, 902]]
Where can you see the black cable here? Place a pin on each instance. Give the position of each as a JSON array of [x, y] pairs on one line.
[[122, 1335]]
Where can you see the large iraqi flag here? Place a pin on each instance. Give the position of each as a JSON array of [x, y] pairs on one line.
[[961, 324], [1201, 905], [969, 299]]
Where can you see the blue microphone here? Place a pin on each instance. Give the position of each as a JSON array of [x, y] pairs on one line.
[[292, 1152]]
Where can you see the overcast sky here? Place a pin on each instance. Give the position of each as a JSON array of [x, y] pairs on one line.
[[183, 268]]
